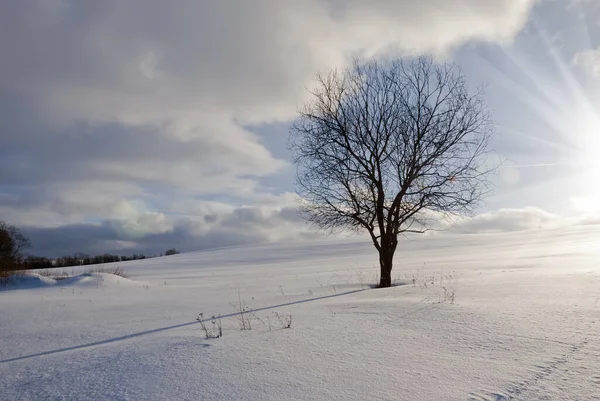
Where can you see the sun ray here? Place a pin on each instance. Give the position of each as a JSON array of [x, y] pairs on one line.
[[545, 106], [564, 104], [531, 137]]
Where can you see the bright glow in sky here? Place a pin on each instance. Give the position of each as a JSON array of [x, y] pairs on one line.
[[143, 125]]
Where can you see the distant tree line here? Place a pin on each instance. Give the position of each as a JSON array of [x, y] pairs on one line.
[[77, 259], [13, 242]]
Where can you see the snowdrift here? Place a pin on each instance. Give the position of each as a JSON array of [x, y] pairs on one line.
[[33, 281]]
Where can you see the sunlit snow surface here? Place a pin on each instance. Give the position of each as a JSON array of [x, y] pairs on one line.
[[524, 325]]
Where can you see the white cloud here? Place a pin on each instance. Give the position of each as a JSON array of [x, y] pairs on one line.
[[589, 61], [142, 61], [142, 225], [508, 220]]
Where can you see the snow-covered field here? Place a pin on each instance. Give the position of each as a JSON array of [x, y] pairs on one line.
[[524, 324]]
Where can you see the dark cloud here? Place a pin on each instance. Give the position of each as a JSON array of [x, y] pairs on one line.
[[116, 152], [239, 227]]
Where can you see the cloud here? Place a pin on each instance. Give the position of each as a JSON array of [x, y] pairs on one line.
[[226, 55], [155, 232], [205, 64], [216, 225], [148, 104], [509, 220], [589, 61]]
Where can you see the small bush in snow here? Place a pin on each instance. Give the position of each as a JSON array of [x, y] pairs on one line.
[[116, 270], [55, 274], [215, 330], [244, 314], [444, 284], [447, 291], [284, 321]]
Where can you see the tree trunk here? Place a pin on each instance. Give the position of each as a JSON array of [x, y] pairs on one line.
[[386, 256]]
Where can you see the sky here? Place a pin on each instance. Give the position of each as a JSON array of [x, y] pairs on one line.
[[140, 125]]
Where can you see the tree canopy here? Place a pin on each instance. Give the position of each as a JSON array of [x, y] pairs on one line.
[[384, 146]]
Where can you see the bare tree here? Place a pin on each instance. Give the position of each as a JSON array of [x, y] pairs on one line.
[[12, 243], [387, 147]]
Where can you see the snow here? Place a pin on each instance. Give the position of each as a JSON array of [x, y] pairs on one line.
[[524, 324], [32, 280], [23, 282]]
